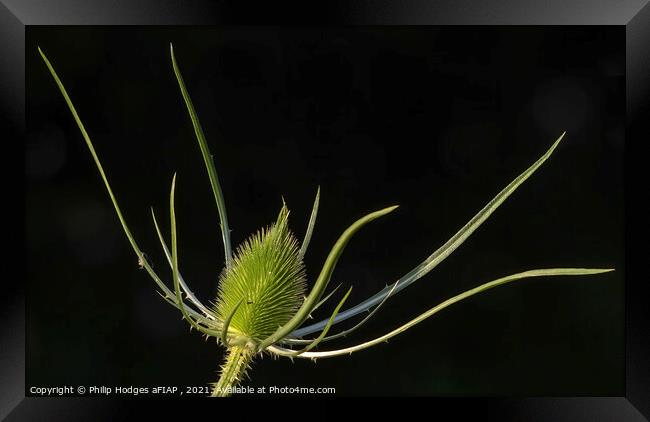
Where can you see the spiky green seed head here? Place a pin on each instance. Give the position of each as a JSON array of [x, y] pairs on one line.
[[265, 282]]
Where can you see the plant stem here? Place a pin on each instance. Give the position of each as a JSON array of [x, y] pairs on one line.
[[237, 363]]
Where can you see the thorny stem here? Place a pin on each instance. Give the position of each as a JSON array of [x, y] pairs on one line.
[[238, 361]]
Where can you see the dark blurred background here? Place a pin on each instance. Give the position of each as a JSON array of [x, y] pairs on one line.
[[437, 120]]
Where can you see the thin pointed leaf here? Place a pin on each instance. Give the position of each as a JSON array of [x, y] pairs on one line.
[[310, 225], [207, 159], [323, 279], [322, 335], [443, 305], [440, 254], [91, 148], [184, 286]]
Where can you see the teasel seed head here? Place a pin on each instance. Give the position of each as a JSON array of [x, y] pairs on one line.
[[264, 285]]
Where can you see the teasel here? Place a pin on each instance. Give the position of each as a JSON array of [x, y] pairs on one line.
[[262, 305]]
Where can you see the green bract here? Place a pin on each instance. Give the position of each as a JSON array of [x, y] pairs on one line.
[[261, 304]]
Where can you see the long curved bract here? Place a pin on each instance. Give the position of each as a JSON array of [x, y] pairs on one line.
[[495, 283], [440, 254], [207, 159]]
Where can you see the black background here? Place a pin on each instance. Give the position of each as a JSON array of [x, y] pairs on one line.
[[435, 119]]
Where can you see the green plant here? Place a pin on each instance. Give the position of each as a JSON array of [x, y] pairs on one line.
[[261, 304]]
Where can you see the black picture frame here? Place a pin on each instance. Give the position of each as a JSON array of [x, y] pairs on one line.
[[635, 17]]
